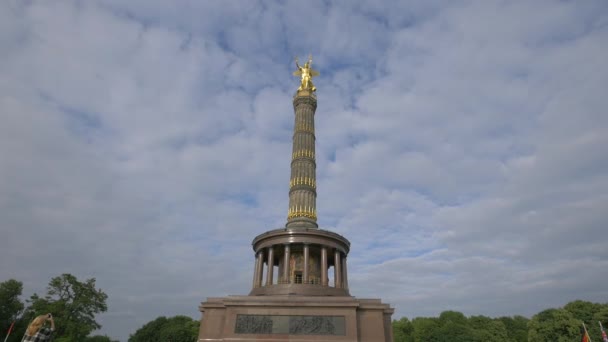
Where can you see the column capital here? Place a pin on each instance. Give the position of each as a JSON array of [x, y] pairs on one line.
[[304, 99]]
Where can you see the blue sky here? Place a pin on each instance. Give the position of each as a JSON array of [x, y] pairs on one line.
[[461, 148]]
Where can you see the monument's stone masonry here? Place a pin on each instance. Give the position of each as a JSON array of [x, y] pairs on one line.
[[300, 303]]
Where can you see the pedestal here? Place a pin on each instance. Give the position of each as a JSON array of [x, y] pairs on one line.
[[295, 318]]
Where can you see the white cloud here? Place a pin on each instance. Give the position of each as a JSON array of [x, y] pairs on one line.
[[460, 148]]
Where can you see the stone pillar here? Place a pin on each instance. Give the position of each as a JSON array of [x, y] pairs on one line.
[[286, 258], [306, 261], [302, 212], [344, 273], [255, 270], [324, 280], [270, 272], [337, 270], [260, 268]]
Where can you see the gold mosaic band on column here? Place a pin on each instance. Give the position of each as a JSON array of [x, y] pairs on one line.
[[304, 127], [303, 181], [303, 153], [302, 212]]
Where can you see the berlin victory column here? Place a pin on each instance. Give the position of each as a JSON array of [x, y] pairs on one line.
[[301, 304]]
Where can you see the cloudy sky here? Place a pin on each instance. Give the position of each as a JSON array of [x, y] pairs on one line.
[[461, 147]]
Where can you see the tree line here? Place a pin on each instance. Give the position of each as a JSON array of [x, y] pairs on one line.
[[74, 305], [550, 325]]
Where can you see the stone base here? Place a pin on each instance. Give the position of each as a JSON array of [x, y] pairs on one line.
[[295, 318]]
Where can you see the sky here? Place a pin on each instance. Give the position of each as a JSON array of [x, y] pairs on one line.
[[461, 148]]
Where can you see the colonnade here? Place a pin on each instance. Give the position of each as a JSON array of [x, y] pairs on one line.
[[267, 256]]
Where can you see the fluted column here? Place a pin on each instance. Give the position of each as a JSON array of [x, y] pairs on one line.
[[259, 269], [337, 270], [306, 261], [302, 212], [324, 280], [255, 270], [344, 273], [270, 272], [286, 257]]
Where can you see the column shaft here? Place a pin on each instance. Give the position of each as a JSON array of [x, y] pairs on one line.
[[324, 281], [302, 210], [270, 272], [255, 271], [286, 265], [344, 274], [305, 273], [260, 268], [337, 270]]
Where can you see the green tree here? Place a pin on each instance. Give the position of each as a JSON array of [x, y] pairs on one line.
[[10, 304], [602, 315], [73, 304], [453, 327], [582, 310], [99, 338], [453, 316], [403, 330], [486, 329], [517, 328], [162, 329], [454, 331], [586, 312], [553, 325], [424, 329], [180, 329], [150, 331]]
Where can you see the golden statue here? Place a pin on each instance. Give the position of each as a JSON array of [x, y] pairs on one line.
[[307, 74]]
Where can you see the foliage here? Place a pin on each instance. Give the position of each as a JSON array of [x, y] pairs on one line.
[[73, 304], [402, 330], [486, 329], [590, 313], [452, 326], [424, 328], [99, 338], [517, 328], [174, 329], [10, 304], [555, 325]]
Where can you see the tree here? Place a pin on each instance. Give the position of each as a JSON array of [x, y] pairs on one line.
[[586, 312], [99, 338], [602, 315], [517, 328], [150, 331], [424, 329], [180, 329], [73, 304], [453, 316], [454, 327], [174, 329], [553, 325], [582, 310], [403, 330], [454, 331], [486, 329], [10, 304]]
